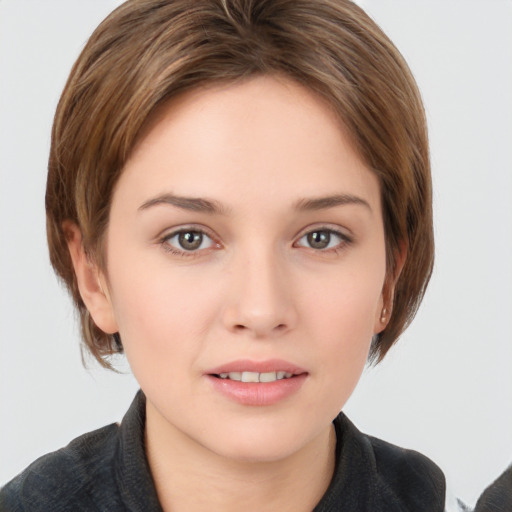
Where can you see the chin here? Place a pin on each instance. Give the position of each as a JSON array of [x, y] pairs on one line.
[[259, 443], [259, 451]]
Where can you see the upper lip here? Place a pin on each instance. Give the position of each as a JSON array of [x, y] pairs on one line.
[[247, 365]]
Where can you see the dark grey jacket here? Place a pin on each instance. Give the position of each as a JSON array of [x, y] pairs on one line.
[[107, 470], [498, 496]]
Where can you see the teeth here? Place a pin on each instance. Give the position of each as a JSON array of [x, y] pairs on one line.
[[255, 376], [268, 377], [250, 377]]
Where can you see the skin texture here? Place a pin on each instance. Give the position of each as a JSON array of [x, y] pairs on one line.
[[255, 289]]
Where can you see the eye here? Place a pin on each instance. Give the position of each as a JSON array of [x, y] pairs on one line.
[[187, 240], [323, 239]]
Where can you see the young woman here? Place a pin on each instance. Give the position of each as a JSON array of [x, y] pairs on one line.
[[239, 199]]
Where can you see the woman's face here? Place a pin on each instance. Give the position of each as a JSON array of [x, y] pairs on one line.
[[246, 241]]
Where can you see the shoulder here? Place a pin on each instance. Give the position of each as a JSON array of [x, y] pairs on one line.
[[399, 478], [66, 479], [409, 476]]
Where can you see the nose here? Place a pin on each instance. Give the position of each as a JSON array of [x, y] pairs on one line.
[[261, 302]]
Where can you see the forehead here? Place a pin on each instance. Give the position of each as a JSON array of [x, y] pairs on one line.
[[266, 134]]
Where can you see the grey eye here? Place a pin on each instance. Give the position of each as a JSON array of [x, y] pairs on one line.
[[190, 240], [319, 239]]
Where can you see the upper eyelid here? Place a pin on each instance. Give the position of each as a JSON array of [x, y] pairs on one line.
[[165, 242], [171, 232], [165, 237], [344, 239], [338, 230]]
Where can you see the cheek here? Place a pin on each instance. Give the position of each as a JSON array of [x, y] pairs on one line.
[[344, 330], [162, 312], [344, 304], [343, 338], [340, 317]]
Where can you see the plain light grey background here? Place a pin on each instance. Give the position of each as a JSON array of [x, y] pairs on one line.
[[445, 389]]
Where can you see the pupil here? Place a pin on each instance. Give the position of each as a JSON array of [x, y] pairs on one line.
[[319, 239], [190, 240]]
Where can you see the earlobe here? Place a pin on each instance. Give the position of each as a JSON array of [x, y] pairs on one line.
[[91, 281], [382, 317], [385, 308]]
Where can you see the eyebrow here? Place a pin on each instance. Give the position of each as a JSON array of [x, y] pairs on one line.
[[322, 203], [195, 204], [211, 206]]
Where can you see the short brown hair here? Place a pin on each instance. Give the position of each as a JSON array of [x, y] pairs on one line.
[[148, 51]]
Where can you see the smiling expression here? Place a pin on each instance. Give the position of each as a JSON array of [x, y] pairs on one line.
[[245, 262]]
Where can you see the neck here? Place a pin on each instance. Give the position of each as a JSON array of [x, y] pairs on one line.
[[189, 477]]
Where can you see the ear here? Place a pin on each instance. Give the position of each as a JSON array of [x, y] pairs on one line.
[[91, 281], [385, 307]]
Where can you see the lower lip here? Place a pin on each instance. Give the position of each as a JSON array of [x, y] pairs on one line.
[[258, 393]]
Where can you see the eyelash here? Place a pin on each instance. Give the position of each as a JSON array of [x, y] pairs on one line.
[[164, 241], [344, 240]]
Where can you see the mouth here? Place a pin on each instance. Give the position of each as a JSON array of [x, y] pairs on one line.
[[257, 383], [249, 371], [247, 376]]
